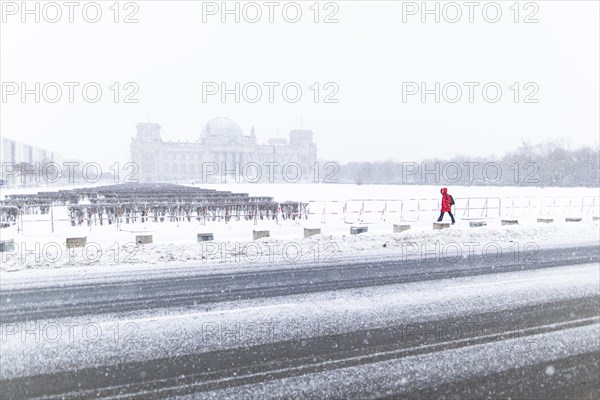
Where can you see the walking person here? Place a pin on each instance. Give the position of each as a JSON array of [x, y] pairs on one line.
[[447, 203]]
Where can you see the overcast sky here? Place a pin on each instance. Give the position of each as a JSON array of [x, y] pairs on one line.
[[368, 54]]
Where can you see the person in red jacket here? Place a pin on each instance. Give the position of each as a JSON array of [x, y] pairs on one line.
[[447, 202]]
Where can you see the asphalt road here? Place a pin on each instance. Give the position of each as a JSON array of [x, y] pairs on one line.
[[292, 368]]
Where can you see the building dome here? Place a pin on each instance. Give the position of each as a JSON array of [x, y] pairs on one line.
[[222, 127]]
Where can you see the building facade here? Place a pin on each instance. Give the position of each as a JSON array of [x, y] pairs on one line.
[[22, 164], [222, 153]]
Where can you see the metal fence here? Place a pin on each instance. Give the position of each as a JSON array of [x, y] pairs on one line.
[[418, 209], [348, 211]]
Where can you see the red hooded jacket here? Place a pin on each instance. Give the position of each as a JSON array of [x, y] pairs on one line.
[[446, 201]]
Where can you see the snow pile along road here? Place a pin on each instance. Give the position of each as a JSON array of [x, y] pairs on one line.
[[324, 248]]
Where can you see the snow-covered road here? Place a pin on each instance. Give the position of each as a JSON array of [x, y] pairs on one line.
[[390, 326]]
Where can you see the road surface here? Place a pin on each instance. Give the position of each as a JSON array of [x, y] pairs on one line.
[[435, 329]]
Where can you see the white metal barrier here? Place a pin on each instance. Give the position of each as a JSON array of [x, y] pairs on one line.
[[375, 210], [478, 207], [553, 205]]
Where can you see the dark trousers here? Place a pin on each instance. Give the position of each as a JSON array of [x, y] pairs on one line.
[[442, 216]]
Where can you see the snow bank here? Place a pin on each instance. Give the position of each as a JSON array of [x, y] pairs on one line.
[[325, 248]]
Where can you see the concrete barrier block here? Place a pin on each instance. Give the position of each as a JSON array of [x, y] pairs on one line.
[[573, 219], [308, 232], [7, 245], [204, 237], [260, 234], [441, 225], [401, 228], [143, 239], [509, 222], [477, 224], [76, 242], [356, 230], [545, 220]]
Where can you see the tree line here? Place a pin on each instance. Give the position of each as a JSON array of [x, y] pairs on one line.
[[545, 164]]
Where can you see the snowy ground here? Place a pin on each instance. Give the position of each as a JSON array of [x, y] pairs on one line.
[[36, 246], [320, 191], [286, 246]]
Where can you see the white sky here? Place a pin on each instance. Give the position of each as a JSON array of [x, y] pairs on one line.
[[368, 54]]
